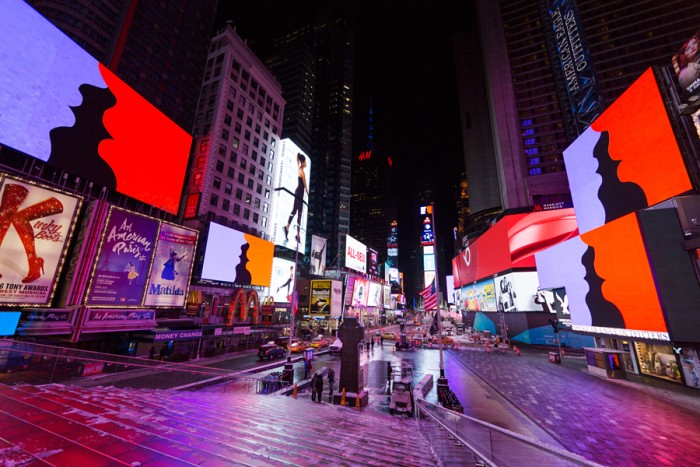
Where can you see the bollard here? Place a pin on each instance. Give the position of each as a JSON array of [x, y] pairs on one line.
[[342, 398], [294, 392], [563, 352], [516, 350], [357, 402]]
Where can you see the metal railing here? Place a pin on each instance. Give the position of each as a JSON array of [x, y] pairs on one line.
[[464, 440]]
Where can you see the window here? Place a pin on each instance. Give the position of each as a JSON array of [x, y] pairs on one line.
[[262, 162], [257, 203], [222, 150], [272, 155], [251, 169], [239, 193], [212, 99], [258, 189], [256, 142], [228, 188], [268, 180], [229, 105], [263, 222], [535, 171], [197, 179], [254, 155], [248, 198], [246, 149], [237, 128], [237, 209], [226, 205], [243, 164], [241, 178], [227, 120], [217, 183], [246, 214], [249, 121], [235, 142], [257, 128], [231, 172], [214, 200], [250, 183], [246, 135], [233, 157], [224, 135], [267, 194], [255, 217], [266, 207], [201, 160], [260, 174], [269, 167], [220, 166]]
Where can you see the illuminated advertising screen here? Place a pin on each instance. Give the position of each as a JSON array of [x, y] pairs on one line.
[[512, 243], [237, 257], [336, 299], [428, 262], [450, 285], [320, 300], [626, 300], [386, 294], [291, 196], [392, 244], [360, 292], [394, 275], [59, 105], [36, 225], [282, 282], [317, 262], [427, 235], [373, 262], [614, 166], [355, 255], [428, 277], [123, 263], [8, 322], [172, 266], [349, 290], [686, 64], [517, 291], [374, 297], [480, 296]]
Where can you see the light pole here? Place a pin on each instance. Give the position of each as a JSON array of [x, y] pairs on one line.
[[288, 373]]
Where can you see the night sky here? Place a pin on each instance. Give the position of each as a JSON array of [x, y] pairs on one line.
[[404, 62]]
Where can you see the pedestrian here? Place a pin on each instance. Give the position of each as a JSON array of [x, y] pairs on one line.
[[319, 387], [314, 394], [152, 353], [372, 342], [162, 353], [307, 368], [381, 339], [388, 374], [367, 346], [331, 380]]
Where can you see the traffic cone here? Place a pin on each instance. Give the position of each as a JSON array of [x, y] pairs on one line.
[[294, 392], [563, 352], [516, 350], [357, 402], [342, 398]]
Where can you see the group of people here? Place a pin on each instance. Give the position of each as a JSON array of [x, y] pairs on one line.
[[317, 385]]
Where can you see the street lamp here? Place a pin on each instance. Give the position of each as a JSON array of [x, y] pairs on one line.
[[289, 366]]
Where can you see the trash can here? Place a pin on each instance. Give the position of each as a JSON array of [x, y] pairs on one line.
[[554, 357]]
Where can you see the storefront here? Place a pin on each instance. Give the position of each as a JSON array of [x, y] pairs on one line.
[[658, 360]]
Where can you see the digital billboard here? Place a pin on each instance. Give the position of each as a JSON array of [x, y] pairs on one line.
[[627, 160], [450, 293], [8, 322], [172, 266], [374, 296], [320, 299], [36, 224], [372, 262], [392, 244], [480, 296], [282, 281], [608, 279], [360, 292], [123, 261], [516, 291], [59, 105], [317, 262], [234, 256], [355, 255], [512, 243], [686, 64], [291, 196], [336, 299], [427, 234], [386, 294]]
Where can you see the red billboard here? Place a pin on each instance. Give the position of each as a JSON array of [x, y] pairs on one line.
[[36, 224], [512, 243], [59, 105]]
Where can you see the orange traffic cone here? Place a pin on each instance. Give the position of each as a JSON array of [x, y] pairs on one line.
[[342, 398], [294, 392], [563, 352], [357, 402], [516, 350]]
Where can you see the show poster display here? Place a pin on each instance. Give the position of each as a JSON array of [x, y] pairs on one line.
[[320, 303], [374, 296], [686, 64], [387, 297], [360, 292], [60, 105], [481, 296], [237, 257], [172, 266], [123, 262], [291, 197], [36, 225], [317, 263], [336, 299], [282, 282]]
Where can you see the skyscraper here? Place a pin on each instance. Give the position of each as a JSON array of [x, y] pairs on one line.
[[538, 59], [158, 48], [236, 139]]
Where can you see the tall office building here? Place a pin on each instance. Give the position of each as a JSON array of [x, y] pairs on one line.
[[549, 68], [236, 140], [313, 61], [158, 48]]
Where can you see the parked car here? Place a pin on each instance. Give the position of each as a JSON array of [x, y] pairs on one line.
[[283, 341], [401, 397], [299, 346], [336, 347], [319, 342], [389, 335], [270, 351]]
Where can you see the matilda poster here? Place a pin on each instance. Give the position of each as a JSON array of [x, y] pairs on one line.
[[172, 264]]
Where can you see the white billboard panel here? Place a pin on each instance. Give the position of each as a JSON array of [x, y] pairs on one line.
[[282, 282], [291, 197], [374, 297], [355, 255], [517, 291], [318, 255]]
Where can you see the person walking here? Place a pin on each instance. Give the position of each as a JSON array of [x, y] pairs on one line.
[[372, 343], [314, 394], [319, 387], [331, 382], [381, 340], [388, 374]]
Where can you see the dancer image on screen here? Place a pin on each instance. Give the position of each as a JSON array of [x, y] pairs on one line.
[[298, 198], [169, 271], [289, 281]]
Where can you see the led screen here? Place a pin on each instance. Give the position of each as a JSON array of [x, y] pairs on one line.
[[607, 278], [517, 291], [374, 297], [336, 299], [59, 105], [450, 284], [124, 260], [36, 224], [317, 262], [355, 255], [172, 266], [8, 322], [480, 296], [386, 294], [320, 301], [360, 292], [427, 235], [282, 282], [291, 197], [627, 160], [686, 64], [373, 262], [511, 243], [233, 256]]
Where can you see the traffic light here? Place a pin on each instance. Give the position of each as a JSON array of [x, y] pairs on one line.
[[555, 325]]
